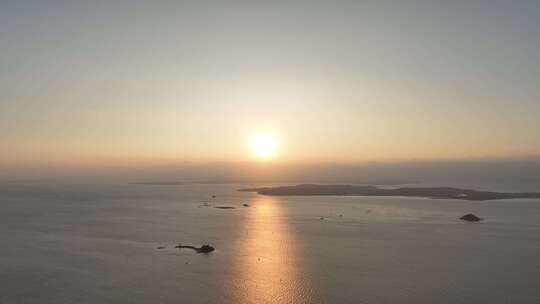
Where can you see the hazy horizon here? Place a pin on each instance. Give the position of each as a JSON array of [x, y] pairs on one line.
[[509, 170]]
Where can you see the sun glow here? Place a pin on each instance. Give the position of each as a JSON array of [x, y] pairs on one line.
[[264, 145]]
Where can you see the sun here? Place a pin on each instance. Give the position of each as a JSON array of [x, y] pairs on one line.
[[264, 145]]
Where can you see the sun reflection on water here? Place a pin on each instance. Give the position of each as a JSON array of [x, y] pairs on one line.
[[269, 268]]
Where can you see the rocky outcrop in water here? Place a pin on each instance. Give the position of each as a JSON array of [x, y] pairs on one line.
[[203, 249], [470, 218]]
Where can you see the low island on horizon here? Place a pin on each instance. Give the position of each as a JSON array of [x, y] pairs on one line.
[[353, 190]]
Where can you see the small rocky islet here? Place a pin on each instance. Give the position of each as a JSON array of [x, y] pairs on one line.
[[203, 249], [470, 218], [225, 207]]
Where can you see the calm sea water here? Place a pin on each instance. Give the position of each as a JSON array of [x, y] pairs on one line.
[[89, 243]]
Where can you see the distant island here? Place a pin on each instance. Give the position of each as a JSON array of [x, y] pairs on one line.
[[428, 192], [380, 182]]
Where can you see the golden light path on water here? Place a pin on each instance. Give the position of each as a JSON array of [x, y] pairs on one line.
[[269, 269]]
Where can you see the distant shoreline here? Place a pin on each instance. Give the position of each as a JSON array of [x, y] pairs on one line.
[[229, 182], [426, 192]]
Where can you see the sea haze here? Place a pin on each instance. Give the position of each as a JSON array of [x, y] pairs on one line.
[[98, 243]]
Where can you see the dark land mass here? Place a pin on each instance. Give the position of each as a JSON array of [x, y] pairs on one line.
[[202, 249], [431, 192], [176, 183], [470, 218], [381, 182]]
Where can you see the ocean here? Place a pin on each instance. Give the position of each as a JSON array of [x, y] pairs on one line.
[[114, 243]]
